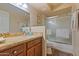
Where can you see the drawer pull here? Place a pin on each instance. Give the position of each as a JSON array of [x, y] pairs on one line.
[[14, 52]]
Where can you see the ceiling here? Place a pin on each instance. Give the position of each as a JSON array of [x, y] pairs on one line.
[[49, 8]]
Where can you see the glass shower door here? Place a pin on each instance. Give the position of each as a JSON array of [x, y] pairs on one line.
[[58, 29]]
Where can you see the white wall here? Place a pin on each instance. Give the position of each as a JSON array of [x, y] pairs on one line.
[[75, 30], [33, 16]]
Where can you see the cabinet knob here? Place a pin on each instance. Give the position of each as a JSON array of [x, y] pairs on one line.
[[14, 52]]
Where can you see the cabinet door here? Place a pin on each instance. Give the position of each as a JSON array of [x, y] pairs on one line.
[[21, 54], [30, 52], [38, 50]]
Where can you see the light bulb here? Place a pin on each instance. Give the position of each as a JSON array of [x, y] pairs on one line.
[[25, 5]]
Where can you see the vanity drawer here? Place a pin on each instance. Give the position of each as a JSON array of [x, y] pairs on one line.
[[34, 42], [18, 49], [5, 52]]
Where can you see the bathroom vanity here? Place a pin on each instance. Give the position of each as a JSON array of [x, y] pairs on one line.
[[22, 46]]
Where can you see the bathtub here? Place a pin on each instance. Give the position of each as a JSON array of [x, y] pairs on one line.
[[62, 47]]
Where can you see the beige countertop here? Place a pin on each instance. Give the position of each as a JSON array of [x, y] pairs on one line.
[[12, 41]]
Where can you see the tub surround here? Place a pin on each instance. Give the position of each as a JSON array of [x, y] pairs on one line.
[[62, 47]]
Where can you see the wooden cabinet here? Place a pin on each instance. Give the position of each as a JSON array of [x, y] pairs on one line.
[[35, 50], [31, 52], [18, 50], [14, 51], [38, 50], [34, 42], [21, 54], [30, 48], [5, 52], [34, 47]]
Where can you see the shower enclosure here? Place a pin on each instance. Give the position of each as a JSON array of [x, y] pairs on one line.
[[58, 29]]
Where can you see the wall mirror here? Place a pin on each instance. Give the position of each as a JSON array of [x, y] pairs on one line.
[[12, 18]]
